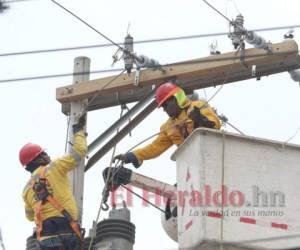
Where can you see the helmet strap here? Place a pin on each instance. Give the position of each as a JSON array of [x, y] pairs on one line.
[[36, 163], [32, 166]]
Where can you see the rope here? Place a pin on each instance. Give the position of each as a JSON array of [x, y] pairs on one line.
[[67, 134], [104, 190], [111, 161], [234, 127], [103, 87], [205, 94], [142, 198], [293, 136], [92, 99]]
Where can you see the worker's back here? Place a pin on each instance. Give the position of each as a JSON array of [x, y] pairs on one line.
[[58, 183], [58, 186]]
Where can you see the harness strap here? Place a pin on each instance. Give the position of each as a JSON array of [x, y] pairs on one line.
[[56, 205], [65, 213], [39, 223]]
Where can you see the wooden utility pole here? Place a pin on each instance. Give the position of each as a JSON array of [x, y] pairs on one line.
[[81, 74], [196, 74]]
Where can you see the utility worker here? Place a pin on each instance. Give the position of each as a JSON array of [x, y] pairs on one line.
[[184, 116], [48, 197]]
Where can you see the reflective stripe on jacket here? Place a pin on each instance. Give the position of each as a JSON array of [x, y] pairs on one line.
[[171, 131], [59, 186]]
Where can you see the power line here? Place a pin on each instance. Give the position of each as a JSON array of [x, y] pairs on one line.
[[119, 69], [221, 14], [139, 42], [213, 59], [90, 26], [56, 75]]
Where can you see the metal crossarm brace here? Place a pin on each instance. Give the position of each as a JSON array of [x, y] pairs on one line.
[[120, 135], [113, 128]]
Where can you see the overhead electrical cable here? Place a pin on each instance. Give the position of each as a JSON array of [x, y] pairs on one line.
[[90, 26], [155, 40], [221, 14], [119, 69], [56, 75]]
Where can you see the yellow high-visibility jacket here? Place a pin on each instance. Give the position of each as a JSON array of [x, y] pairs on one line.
[[56, 174], [171, 131]]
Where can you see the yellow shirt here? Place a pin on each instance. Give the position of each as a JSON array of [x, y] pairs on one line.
[[171, 131], [56, 174]]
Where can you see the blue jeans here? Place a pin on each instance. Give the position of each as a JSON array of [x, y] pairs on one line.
[[61, 242]]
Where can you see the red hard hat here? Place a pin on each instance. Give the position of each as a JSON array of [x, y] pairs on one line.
[[165, 91], [29, 152]]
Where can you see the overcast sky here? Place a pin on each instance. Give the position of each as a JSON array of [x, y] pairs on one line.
[[268, 108]]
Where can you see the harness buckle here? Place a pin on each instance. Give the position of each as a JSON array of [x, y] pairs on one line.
[[40, 189]]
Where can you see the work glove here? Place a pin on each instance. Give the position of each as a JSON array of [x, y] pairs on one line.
[[79, 125], [118, 176], [199, 119], [128, 158], [122, 158]]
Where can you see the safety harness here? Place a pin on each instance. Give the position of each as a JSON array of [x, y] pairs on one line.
[[43, 196]]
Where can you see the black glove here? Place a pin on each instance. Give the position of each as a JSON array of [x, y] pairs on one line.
[[122, 158], [80, 124], [128, 158], [118, 176], [199, 119]]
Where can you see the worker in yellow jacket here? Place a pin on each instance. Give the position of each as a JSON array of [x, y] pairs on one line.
[[184, 116], [47, 195]]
